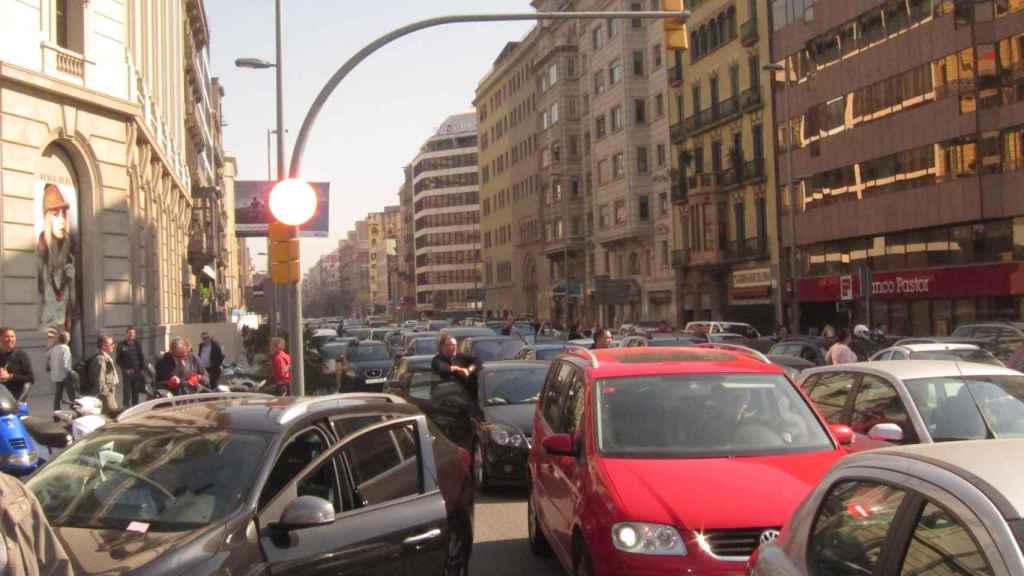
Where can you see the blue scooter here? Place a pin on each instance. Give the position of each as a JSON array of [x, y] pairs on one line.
[[18, 453]]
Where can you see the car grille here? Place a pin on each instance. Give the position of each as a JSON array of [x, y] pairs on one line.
[[18, 443], [374, 373], [736, 543]]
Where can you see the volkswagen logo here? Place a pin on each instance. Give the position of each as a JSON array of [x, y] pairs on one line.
[[769, 536]]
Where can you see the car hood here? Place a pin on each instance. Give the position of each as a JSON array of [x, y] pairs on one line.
[[518, 416], [111, 552], [715, 493], [384, 365]]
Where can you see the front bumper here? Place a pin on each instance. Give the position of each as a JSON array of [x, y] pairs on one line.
[[506, 465]]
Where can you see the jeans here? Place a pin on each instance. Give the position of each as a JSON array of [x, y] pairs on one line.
[[68, 386], [134, 383]]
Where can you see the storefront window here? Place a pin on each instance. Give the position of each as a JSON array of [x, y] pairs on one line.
[[942, 317], [920, 315], [899, 313]]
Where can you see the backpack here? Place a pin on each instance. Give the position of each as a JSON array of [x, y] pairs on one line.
[[86, 386]]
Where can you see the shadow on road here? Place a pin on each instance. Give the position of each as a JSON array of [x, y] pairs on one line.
[[510, 557], [505, 496]]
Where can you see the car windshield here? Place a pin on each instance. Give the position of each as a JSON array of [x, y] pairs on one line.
[[705, 415], [970, 407], [507, 386], [161, 479], [549, 353], [966, 355], [488, 350], [333, 351], [424, 346], [367, 353], [420, 384]]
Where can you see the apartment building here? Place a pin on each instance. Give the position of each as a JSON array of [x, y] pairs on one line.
[[511, 224], [626, 174], [384, 228], [405, 264], [110, 126], [446, 219], [726, 221], [906, 126]]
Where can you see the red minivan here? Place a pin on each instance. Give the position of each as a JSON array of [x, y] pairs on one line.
[[669, 460]]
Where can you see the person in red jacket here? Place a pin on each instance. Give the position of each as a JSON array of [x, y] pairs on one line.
[[281, 376]]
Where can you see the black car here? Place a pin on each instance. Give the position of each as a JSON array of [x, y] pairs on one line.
[[421, 345], [252, 484], [507, 393], [541, 351], [411, 377], [365, 367], [490, 348], [447, 404]]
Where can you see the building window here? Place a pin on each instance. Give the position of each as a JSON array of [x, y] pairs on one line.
[[661, 155], [618, 165], [597, 37], [656, 53], [603, 218], [641, 159], [602, 172], [644, 209], [636, 23], [600, 127], [599, 82], [639, 111], [615, 72], [662, 204], [620, 212], [664, 254], [659, 105], [69, 24], [638, 62], [616, 118]]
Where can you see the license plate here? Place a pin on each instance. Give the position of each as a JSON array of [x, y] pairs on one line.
[[376, 380]]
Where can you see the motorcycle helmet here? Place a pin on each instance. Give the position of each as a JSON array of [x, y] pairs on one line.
[[861, 331]]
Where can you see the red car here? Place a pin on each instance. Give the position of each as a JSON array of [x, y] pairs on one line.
[[669, 460]]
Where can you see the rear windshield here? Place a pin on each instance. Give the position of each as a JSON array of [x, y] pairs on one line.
[[333, 351], [979, 356], [366, 352], [514, 386], [424, 346], [970, 407], [488, 350]]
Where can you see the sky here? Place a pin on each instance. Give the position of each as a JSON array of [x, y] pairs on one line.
[[377, 119]]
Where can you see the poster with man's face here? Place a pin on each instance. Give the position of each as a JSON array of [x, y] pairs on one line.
[[56, 231]]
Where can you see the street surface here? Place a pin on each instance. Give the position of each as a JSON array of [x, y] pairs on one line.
[[501, 546]]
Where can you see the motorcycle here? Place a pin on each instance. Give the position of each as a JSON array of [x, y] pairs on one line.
[[67, 426], [236, 380], [177, 387], [18, 453]]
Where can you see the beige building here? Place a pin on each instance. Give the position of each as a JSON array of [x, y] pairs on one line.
[[511, 226], [384, 229], [405, 263], [109, 127], [446, 219], [726, 232]]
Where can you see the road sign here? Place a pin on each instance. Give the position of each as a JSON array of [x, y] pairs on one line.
[[846, 287]]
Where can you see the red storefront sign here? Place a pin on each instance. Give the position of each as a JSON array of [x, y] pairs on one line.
[[959, 282]]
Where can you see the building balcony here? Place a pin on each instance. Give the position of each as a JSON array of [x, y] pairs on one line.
[[680, 259], [749, 249], [751, 99], [678, 191], [705, 183], [749, 171], [718, 114], [748, 33], [675, 75], [677, 132], [554, 248]]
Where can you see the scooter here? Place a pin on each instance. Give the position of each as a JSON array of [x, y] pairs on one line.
[[18, 453], [67, 426]]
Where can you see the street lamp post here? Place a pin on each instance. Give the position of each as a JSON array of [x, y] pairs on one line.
[[794, 271]]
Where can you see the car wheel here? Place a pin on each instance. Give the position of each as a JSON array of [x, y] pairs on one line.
[[538, 543], [584, 565], [457, 563], [480, 468]]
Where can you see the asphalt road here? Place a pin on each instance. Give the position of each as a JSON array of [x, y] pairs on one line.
[[501, 547]]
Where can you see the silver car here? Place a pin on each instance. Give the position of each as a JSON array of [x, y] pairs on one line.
[[954, 508], [937, 351]]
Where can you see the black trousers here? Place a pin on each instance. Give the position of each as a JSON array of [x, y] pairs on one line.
[[134, 383], [214, 373], [68, 386]]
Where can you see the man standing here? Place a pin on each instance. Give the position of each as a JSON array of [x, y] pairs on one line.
[[103, 375], [132, 363], [15, 366], [602, 338], [179, 366], [840, 352], [58, 365], [281, 376], [28, 546], [211, 356], [451, 365]]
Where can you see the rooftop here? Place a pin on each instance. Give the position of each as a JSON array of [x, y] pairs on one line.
[[913, 369]]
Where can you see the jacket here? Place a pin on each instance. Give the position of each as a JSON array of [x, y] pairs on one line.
[[169, 366], [130, 356], [216, 353], [19, 365], [58, 362], [31, 547], [103, 374]]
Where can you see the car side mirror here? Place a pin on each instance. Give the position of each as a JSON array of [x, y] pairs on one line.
[[886, 432], [306, 512], [560, 445], [843, 434]]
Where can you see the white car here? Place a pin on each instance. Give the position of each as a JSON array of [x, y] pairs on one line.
[[937, 351], [709, 327]]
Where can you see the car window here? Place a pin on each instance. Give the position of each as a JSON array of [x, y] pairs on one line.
[[898, 355], [352, 423], [572, 409], [380, 469], [967, 408], [488, 350], [300, 452], [810, 354], [941, 545], [830, 394], [549, 353], [366, 353], [883, 355], [966, 355], [322, 483], [877, 402], [512, 386], [850, 532], [421, 383], [554, 391]]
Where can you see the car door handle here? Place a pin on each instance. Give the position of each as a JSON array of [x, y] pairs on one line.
[[421, 538]]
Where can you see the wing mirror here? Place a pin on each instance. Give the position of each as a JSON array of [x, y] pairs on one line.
[[560, 445], [843, 434], [306, 512], [886, 432]]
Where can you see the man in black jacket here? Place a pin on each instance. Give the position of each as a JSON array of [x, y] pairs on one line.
[[211, 355], [15, 365], [456, 406], [451, 365], [132, 362]]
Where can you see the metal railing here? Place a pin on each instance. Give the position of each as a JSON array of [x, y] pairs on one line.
[[755, 247], [748, 32]]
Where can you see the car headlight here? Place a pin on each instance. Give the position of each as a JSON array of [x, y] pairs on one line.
[[508, 437], [22, 459], [650, 539]]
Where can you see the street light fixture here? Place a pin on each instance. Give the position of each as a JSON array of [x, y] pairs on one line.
[[257, 63]]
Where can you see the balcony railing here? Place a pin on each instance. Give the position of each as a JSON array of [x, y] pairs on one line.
[[678, 191], [750, 248], [680, 259], [753, 169], [750, 99], [677, 132], [701, 183], [675, 75], [748, 32], [719, 113]]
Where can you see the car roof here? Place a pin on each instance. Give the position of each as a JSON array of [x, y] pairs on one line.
[[937, 347], [982, 463], [491, 338], [912, 369], [647, 361], [253, 412], [505, 365]]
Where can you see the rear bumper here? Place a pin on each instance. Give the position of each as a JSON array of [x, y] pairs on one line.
[[507, 466]]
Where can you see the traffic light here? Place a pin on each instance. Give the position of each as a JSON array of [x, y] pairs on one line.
[[676, 37], [284, 253]]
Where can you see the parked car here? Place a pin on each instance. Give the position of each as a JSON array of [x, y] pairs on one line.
[[490, 348], [262, 485], [321, 336], [669, 460], [1006, 336], [810, 348], [408, 337], [661, 340], [460, 333], [366, 367], [791, 364], [953, 508], [449, 406], [541, 351], [741, 328], [330, 353], [411, 378], [945, 351], [924, 401], [508, 393]]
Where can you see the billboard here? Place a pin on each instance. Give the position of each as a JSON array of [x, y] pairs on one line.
[[252, 210]]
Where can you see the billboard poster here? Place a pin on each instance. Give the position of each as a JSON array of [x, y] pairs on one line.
[[58, 255], [252, 211]]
